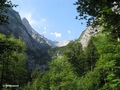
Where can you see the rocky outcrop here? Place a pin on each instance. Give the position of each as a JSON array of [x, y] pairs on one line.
[[86, 34]]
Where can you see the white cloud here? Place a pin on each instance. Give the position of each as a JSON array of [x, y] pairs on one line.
[[57, 35], [69, 31]]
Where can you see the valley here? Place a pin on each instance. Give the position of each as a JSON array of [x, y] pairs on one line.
[[30, 61]]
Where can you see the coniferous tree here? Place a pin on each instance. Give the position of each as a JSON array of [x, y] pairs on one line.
[[74, 52], [91, 54], [61, 75], [104, 76]]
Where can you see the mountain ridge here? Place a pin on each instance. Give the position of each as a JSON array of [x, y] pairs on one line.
[[36, 51], [37, 36], [37, 45]]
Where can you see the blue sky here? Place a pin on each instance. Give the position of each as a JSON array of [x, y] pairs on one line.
[[55, 19]]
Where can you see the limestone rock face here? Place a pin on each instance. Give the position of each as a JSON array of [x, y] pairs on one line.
[[37, 47], [86, 34]]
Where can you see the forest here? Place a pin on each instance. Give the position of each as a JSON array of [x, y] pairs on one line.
[[95, 67]]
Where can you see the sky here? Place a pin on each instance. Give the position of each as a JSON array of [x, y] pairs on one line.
[[55, 19]]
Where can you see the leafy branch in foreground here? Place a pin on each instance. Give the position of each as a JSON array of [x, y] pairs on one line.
[[4, 5], [101, 12]]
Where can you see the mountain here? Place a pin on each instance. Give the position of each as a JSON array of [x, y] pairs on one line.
[[37, 47], [38, 37], [35, 35], [62, 43], [87, 33]]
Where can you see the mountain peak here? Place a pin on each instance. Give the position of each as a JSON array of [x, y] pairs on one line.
[[62, 43], [24, 20], [37, 36]]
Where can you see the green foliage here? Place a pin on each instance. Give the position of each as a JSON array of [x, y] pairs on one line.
[[35, 73], [44, 81], [100, 12], [62, 76], [57, 50], [90, 8], [74, 52], [105, 75], [91, 54], [4, 5], [12, 57], [96, 67]]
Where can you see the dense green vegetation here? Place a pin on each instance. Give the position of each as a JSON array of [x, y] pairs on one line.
[[101, 12], [56, 52], [12, 55], [12, 58], [95, 67]]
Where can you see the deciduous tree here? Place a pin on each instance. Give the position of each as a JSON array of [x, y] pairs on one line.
[[12, 56], [101, 12]]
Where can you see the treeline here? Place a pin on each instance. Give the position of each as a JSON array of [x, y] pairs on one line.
[[95, 67]]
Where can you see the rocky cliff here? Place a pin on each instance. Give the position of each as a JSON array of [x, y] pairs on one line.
[[37, 47], [87, 33]]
